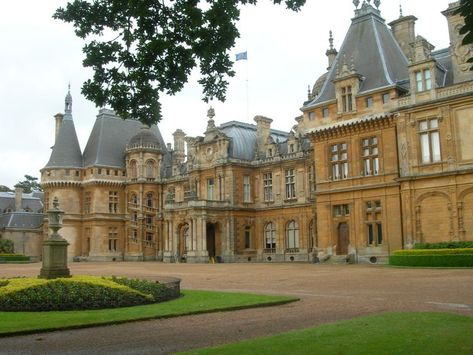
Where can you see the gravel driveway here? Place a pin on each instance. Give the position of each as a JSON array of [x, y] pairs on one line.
[[328, 293]]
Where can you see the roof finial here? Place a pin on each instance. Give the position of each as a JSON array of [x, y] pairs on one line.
[[330, 39], [68, 103], [309, 96], [400, 10], [377, 3], [356, 3], [211, 122]]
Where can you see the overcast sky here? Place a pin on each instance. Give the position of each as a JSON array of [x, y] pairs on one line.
[[286, 53]]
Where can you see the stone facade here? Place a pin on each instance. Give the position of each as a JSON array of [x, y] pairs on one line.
[[380, 159]]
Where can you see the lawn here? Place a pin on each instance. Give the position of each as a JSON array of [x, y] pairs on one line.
[[192, 302], [388, 333]]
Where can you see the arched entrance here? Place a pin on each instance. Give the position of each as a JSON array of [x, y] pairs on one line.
[[343, 239], [211, 240]]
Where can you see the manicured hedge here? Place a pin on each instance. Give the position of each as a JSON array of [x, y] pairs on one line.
[[465, 251], [444, 245], [13, 257], [75, 293], [158, 291], [452, 260]]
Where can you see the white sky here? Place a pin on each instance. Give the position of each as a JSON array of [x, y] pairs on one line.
[[286, 53]]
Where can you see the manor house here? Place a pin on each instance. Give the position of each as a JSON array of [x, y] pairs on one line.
[[380, 159]]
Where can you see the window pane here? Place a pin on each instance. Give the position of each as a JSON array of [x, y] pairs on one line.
[[370, 234], [425, 149], [435, 140], [367, 167], [423, 125], [375, 166], [380, 234], [434, 123], [345, 170]]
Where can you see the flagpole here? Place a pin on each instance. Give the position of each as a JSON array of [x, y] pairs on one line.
[[247, 95]]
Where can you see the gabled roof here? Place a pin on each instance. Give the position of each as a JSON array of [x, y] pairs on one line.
[[371, 49], [109, 137]]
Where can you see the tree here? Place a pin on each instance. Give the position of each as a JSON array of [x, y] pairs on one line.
[[466, 10], [29, 184], [4, 188], [152, 47]]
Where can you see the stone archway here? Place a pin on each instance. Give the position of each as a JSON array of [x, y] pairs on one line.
[[343, 239], [211, 238]]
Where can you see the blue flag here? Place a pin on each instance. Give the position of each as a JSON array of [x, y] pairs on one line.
[[242, 56]]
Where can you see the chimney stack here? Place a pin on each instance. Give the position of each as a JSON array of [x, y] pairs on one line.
[[18, 199], [404, 31], [59, 117], [263, 126]]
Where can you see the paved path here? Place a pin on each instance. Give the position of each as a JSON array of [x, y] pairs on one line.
[[328, 293]]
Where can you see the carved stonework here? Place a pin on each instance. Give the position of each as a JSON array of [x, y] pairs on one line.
[[462, 53]]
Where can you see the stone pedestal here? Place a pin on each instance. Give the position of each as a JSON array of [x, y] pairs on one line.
[[54, 259]]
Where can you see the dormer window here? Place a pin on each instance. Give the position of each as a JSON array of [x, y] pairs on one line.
[[291, 148], [369, 102], [423, 80], [347, 99], [269, 153], [311, 116]]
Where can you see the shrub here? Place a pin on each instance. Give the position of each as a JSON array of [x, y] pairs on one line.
[[464, 251], [451, 260], [6, 246], [13, 257], [444, 245], [153, 288], [76, 293]]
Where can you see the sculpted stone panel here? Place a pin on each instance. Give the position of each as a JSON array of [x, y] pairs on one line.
[[464, 118]]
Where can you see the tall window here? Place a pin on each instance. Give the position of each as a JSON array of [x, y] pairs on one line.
[[210, 189], [113, 201], [290, 184], [149, 200], [149, 221], [339, 161], [325, 112], [292, 234], [270, 236], [87, 202], [150, 169], [268, 187], [347, 99], [369, 151], [246, 189], [369, 101], [112, 239], [247, 237], [133, 169], [429, 140], [423, 80], [134, 199], [374, 228]]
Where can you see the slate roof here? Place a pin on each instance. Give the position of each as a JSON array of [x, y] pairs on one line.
[[109, 137], [7, 201], [66, 150], [21, 220], [371, 48], [243, 139]]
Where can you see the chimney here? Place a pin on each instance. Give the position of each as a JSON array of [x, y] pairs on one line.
[[405, 33], [59, 117], [460, 53], [18, 198], [179, 147], [263, 126]]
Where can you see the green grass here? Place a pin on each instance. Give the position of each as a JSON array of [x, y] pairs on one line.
[[389, 333], [192, 302]]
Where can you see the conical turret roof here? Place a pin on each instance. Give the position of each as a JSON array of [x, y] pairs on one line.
[[66, 150]]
